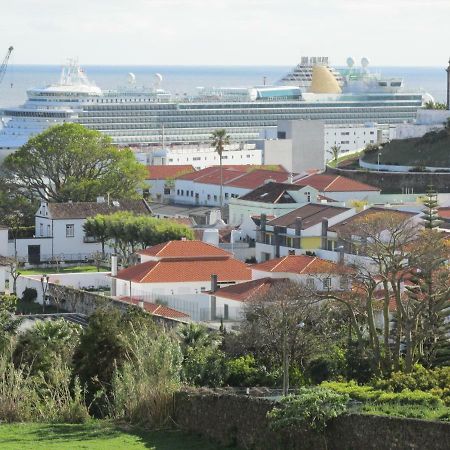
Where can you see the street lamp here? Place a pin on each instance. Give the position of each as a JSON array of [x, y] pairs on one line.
[[44, 283]]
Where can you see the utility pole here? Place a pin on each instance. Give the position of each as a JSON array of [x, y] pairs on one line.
[[448, 85]]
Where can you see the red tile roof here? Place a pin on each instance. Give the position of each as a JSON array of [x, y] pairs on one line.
[[164, 172], [334, 183], [245, 291], [444, 212], [249, 177], [186, 270], [299, 264], [185, 249], [156, 310]]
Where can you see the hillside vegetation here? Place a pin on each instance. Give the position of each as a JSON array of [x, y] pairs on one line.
[[432, 149]]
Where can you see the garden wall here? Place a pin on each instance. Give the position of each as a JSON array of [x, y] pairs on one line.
[[241, 420]]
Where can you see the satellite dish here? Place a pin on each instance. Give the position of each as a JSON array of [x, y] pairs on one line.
[[131, 78], [364, 63], [157, 78], [350, 62]]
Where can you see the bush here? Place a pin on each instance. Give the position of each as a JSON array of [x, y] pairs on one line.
[[324, 368], [353, 390], [407, 397], [29, 295], [311, 408], [245, 372]]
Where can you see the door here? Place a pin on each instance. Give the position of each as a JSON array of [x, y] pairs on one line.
[[34, 254]]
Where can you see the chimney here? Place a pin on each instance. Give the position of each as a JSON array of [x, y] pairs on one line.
[[214, 283], [263, 222], [324, 233], [113, 274], [298, 231]]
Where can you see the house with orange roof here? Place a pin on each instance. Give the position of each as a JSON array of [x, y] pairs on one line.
[[179, 268], [337, 187], [203, 187], [315, 273]]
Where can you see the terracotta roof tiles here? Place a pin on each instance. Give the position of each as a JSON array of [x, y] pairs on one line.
[[299, 264], [185, 249], [164, 172], [334, 183]]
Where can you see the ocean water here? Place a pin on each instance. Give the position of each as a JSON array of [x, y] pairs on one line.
[[185, 79]]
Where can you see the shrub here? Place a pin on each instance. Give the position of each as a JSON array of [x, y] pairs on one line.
[[311, 408], [353, 390], [29, 295], [407, 397], [142, 388], [245, 371]]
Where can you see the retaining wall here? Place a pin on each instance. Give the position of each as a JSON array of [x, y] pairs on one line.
[[241, 420], [396, 182]]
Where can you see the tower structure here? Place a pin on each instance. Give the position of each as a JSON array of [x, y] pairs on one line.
[[448, 85]]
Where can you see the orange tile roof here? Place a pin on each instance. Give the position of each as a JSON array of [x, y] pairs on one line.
[[299, 264], [185, 249], [249, 177], [186, 270], [163, 172], [334, 183], [155, 309], [444, 212], [249, 289]]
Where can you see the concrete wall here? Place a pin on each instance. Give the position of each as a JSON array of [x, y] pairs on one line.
[[242, 421], [279, 151], [392, 183], [394, 168]]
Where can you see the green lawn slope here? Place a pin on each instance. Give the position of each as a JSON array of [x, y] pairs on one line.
[[433, 149], [94, 435]]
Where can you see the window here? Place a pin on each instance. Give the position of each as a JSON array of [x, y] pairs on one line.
[[226, 195], [41, 229], [49, 231], [327, 283], [281, 134], [215, 198], [308, 196], [70, 230], [343, 282], [310, 283], [209, 197]]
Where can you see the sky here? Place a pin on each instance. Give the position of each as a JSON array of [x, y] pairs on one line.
[[225, 32]]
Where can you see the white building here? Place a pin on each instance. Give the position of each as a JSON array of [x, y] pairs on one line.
[[200, 156], [179, 268], [427, 120], [203, 187], [59, 232], [301, 145]]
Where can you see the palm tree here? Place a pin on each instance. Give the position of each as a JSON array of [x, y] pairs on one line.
[[220, 138], [334, 151]]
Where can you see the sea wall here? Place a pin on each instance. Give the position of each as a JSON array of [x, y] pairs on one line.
[[240, 420], [396, 182]]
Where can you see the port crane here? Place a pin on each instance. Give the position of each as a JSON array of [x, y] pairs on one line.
[[4, 64]]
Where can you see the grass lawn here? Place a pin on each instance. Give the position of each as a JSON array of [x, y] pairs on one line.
[[95, 435], [52, 270]]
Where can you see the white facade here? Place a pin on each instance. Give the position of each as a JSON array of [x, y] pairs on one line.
[[200, 156], [192, 193], [427, 120]]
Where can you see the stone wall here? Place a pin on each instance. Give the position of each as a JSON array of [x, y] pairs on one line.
[[241, 420], [83, 302], [393, 183]]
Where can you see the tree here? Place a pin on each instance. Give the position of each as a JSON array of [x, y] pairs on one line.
[[430, 212], [220, 138], [8, 322], [39, 346], [279, 326], [70, 162], [129, 233], [334, 151]]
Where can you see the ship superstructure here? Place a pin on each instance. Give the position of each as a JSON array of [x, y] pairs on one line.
[[137, 115]]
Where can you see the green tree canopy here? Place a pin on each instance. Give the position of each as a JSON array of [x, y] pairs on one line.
[[129, 232], [70, 162]]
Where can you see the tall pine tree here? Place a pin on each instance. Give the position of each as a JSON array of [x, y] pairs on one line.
[[430, 213]]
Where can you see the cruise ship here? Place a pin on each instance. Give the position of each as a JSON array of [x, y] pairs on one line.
[[137, 116]]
